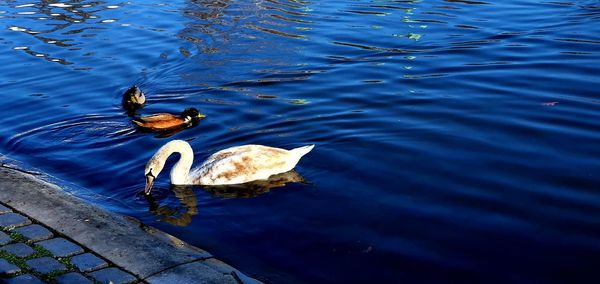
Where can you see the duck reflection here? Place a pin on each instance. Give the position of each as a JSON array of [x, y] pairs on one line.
[[182, 214]]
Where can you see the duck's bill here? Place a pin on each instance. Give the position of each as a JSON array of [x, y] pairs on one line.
[[201, 115], [149, 184]]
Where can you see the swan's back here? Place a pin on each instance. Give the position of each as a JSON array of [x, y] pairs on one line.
[[247, 163]]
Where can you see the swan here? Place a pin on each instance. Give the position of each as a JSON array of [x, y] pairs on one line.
[[235, 165]]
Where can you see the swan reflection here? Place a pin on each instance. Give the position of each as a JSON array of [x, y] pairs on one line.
[[254, 188], [182, 214]]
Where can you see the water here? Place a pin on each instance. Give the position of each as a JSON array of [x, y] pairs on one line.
[[457, 141]]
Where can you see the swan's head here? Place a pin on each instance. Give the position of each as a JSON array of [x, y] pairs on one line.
[[191, 114], [134, 96], [180, 169], [153, 168]]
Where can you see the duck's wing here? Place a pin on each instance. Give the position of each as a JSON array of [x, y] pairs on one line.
[[157, 117], [243, 164], [160, 121]]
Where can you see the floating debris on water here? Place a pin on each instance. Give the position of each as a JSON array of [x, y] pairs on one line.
[[299, 102]]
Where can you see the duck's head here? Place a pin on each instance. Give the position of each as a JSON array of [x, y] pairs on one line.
[[192, 114], [134, 96]]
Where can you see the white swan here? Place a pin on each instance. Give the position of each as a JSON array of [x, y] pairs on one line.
[[233, 165]]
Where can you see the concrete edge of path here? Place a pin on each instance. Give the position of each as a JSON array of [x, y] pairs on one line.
[[148, 253]]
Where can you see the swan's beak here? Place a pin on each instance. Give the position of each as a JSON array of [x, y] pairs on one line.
[[149, 183]]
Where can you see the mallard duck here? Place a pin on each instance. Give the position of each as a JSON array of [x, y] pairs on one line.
[[133, 99], [235, 165], [167, 121]]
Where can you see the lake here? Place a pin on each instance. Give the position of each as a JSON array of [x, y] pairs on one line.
[[456, 141]]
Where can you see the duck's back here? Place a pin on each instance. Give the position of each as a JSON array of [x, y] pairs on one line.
[[160, 121], [243, 164]]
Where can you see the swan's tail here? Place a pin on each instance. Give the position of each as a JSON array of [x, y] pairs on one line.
[[301, 151]]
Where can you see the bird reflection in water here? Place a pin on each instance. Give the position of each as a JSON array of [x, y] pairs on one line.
[[182, 214], [178, 216]]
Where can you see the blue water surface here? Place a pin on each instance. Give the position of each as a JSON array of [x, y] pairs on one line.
[[456, 141]]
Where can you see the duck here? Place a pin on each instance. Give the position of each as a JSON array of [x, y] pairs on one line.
[[166, 121], [133, 99], [234, 165]]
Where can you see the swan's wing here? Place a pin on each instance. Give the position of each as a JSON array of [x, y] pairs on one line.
[[225, 153], [243, 164]]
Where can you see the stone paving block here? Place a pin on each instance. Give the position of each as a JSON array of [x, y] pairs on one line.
[[45, 265], [60, 247], [4, 209], [7, 267], [88, 262], [228, 269], [4, 239], [34, 232], [195, 272], [114, 275], [72, 278], [13, 220], [24, 279], [18, 249]]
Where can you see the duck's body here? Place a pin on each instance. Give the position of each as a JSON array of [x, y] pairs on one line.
[[161, 121], [167, 121], [233, 165]]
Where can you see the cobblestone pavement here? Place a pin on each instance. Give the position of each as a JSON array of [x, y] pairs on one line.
[[33, 253], [47, 235]]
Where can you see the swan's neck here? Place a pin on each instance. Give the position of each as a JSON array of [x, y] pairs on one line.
[[181, 169]]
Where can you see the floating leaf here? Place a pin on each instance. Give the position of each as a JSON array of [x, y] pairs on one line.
[[299, 102]]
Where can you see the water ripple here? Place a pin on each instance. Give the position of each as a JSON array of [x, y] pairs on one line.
[[449, 133], [94, 131]]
